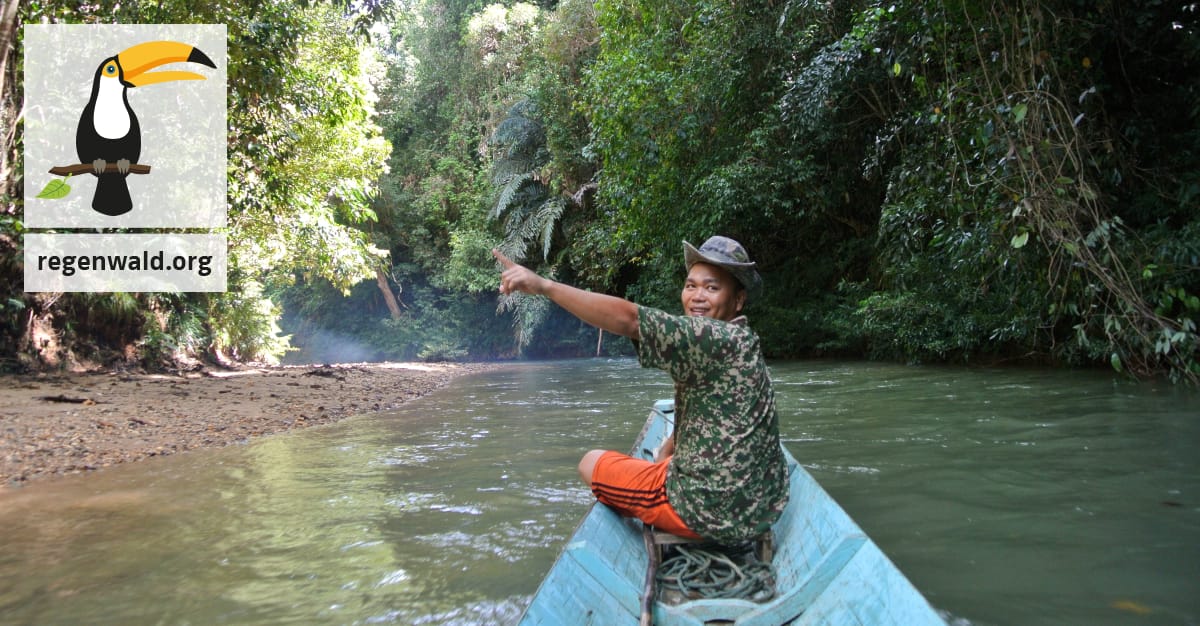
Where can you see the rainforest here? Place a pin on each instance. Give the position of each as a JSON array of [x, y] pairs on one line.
[[946, 181]]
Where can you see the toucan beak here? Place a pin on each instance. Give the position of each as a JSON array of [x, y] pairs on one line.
[[142, 58]]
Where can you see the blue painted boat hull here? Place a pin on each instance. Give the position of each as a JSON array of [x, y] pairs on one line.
[[827, 570]]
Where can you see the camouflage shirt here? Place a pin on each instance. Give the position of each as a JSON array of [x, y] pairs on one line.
[[728, 478]]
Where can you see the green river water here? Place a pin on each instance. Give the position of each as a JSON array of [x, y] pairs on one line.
[[1008, 496]]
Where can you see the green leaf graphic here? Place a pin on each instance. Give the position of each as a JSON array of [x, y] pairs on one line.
[[56, 189]]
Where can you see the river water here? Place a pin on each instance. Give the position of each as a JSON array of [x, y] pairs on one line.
[[1008, 496]]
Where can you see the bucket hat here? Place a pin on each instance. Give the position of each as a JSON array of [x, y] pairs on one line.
[[729, 254]]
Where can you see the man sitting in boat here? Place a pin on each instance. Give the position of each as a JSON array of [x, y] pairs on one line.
[[722, 477]]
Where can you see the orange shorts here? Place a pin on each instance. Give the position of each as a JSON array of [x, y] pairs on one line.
[[637, 488]]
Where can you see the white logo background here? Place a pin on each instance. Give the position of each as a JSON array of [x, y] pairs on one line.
[[183, 126]]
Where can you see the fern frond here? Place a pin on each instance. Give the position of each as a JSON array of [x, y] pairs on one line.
[[529, 313], [548, 215], [519, 133], [505, 168], [508, 192]]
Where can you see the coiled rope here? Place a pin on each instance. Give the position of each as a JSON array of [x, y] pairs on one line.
[[695, 571]]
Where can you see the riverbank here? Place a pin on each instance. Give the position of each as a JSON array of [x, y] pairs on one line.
[[57, 424]]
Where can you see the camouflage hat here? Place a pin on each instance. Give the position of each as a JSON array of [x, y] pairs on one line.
[[729, 254]]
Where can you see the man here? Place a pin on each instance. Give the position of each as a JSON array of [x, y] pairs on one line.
[[722, 477]]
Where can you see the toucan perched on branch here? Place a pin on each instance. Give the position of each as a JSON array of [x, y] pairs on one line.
[[108, 130]]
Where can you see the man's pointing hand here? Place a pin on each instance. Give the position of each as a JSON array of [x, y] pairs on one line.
[[514, 277]]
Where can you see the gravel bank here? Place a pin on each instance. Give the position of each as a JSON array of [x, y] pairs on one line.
[[69, 423]]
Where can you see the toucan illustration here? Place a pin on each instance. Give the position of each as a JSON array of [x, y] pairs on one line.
[[108, 130]]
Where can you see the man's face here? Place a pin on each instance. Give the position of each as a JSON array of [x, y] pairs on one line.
[[711, 291]]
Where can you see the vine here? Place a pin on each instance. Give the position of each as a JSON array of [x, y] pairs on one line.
[[1048, 165]]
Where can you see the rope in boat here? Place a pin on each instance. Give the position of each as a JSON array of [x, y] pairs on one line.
[[708, 571]]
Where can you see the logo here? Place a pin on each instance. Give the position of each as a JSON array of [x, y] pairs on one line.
[[109, 137], [125, 127]]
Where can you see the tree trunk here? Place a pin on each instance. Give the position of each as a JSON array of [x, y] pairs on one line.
[[9, 102], [8, 39], [388, 296]]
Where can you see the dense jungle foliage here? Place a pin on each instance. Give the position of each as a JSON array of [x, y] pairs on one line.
[[943, 181]]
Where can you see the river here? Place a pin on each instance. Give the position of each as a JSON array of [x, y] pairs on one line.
[[1008, 496]]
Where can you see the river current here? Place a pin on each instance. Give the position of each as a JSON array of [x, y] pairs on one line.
[[1007, 496]]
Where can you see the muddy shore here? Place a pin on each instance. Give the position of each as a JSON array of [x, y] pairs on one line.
[[57, 424]]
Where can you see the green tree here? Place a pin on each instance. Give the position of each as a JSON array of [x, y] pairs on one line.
[[1033, 242], [957, 180], [303, 154]]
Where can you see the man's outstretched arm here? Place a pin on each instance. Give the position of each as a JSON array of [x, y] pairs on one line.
[[606, 312]]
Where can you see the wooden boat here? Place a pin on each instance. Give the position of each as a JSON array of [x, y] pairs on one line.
[[826, 570]]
